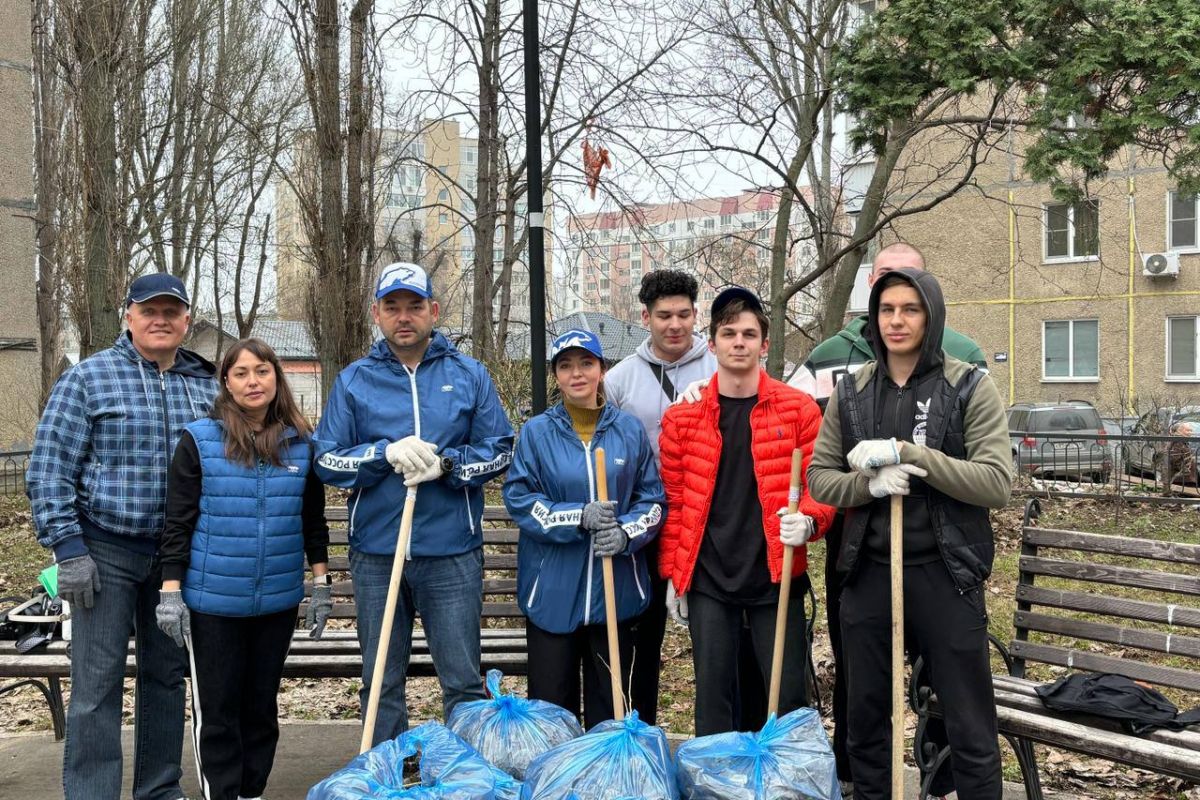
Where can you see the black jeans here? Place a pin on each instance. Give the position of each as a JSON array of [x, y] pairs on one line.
[[949, 630], [237, 663], [716, 629], [555, 662]]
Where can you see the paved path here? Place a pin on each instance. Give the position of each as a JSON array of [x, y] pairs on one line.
[[31, 764]]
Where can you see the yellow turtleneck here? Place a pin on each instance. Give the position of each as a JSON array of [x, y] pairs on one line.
[[583, 420]]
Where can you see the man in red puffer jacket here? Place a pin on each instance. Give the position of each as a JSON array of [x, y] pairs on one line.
[[726, 466]]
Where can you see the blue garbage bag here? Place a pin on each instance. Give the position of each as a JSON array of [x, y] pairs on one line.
[[614, 760], [450, 769], [789, 759], [510, 731]]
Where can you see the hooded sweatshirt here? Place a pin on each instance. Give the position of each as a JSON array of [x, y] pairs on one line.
[[633, 386], [981, 479]]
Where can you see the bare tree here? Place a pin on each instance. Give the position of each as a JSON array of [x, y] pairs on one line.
[[337, 205]]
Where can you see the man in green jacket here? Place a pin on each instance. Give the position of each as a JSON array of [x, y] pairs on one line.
[[842, 354], [919, 423]]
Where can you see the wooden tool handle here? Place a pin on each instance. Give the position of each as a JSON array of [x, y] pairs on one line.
[[610, 600], [785, 589], [389, 617], [896, 555]]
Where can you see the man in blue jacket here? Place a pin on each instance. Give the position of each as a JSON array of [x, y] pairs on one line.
[[415, 411], [97, 484]]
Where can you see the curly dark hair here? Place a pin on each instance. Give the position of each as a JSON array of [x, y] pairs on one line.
[[667, 283]]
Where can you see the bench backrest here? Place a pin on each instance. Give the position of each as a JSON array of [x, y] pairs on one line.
[[1136, 599], [499, 565]]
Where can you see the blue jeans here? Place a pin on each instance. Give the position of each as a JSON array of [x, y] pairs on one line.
[[129, 586], [448, 593]]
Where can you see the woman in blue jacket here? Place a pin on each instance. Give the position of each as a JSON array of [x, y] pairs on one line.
[[244, 508], [565, 531]]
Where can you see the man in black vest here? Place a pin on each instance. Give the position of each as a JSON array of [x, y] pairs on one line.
[[919, 423]]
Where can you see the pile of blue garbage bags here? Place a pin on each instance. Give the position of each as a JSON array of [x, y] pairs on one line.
[[510, 748]]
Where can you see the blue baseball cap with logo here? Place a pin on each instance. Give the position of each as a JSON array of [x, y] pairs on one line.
[[403, 276], [157, 284], [576, 339]]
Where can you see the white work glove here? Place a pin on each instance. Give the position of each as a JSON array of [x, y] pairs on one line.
[[692, 393], [429, 473], [893, 479], [869, 455], [677, 605], [794, 528], [411, 455]]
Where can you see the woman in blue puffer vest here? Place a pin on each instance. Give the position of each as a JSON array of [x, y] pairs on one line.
[[551, 493], [244, 508]]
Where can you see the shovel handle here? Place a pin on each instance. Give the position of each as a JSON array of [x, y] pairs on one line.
[[896, 555], [610, 600], [785, 589]]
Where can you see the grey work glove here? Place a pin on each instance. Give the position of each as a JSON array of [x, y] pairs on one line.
[[173, 618], [78, 581], [320, 606], [677, 605], [610, 541], [598, 514]]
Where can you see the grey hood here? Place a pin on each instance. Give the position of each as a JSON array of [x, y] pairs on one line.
[[633, 387]]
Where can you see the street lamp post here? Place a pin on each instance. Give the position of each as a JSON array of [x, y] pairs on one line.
[[536, 219]]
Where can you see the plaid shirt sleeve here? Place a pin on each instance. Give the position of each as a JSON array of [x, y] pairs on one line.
[[61, 446]]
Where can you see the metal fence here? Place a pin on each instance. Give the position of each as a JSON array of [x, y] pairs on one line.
[[13, 464], [1135, 468]]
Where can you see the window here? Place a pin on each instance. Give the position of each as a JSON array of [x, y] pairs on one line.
[[709, 224], [1072, 230], [603, 283], [726, 220], [443, 196], [443, 218], [1070, 350], [1181, 222], [1183, 348], [762, 215]]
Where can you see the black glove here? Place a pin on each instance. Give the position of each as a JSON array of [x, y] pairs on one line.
[[598, 514], [610, 541]]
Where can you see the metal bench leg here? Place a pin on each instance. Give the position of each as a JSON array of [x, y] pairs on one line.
[[58, 709], [1027, 759], [54, 699]]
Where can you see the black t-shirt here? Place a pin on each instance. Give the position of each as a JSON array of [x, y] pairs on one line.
[[732, 565]]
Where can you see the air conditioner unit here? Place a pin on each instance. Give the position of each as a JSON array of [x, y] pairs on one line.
[[1161, 265]]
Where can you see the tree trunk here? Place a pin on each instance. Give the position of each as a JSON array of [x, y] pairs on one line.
[[47, 109], [96, 34], [488, 189], [781, 240]]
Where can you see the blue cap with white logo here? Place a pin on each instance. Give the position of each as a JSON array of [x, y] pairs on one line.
[[157, 284], [403, 276], [576, 339]]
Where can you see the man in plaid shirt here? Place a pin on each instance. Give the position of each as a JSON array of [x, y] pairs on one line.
[[97, 483]]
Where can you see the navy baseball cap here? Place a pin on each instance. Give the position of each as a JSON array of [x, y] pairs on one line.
[[157, 284], [406, 276], [731, 293], [576, 339]]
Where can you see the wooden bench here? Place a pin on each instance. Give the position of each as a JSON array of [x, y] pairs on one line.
[[337, 653], [1075, 611]]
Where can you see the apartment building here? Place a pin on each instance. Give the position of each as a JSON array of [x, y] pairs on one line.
[[428, 180], [1096, 300], [721, 240], [19, 390]]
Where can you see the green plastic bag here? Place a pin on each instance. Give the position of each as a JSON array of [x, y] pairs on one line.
[[49, 580]]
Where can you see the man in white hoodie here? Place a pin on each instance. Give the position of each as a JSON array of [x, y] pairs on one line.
[[644, 385]]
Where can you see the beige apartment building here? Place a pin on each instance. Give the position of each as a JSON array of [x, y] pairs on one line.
[[427, 181], [1097, 300], [19, 385], [721, 240]]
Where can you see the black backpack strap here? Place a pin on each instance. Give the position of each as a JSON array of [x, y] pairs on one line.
[[668, 388]]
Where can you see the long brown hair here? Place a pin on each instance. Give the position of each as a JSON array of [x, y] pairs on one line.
[[242, 442]]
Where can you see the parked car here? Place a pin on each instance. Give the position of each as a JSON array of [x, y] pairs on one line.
[[1154, 458], [1042, 443]]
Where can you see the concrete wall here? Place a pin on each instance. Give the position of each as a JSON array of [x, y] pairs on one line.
[[19, 383]]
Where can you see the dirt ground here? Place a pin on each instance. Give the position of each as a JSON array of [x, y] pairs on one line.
[[21, 559]]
